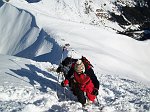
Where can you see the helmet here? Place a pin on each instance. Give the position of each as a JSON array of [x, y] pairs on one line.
[[79, 67]]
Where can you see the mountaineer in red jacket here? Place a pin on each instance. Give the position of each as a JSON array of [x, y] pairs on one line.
[[85, 83]]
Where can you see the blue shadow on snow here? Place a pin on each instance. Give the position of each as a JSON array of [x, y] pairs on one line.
[[33, 77]]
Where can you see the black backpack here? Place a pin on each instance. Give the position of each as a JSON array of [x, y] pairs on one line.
[[86, 62]]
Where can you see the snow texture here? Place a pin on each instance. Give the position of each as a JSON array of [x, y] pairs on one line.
[[32, 39]]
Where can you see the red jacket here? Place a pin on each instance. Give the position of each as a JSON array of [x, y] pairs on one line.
[[85, 80]]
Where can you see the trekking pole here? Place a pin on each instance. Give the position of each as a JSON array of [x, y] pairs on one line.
[[61, 61], [63, 49], [59, 74], [64, 91], [64, 88], [97, 101], [100, 106]]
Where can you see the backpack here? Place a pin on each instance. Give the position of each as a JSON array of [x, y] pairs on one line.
[[86, 62]]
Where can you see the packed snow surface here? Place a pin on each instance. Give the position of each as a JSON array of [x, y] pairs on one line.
[[120, 62]]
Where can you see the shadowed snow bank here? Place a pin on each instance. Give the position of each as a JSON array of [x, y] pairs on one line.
[[20, 36]]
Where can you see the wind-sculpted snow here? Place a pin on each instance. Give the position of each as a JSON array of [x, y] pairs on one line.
[[20, 36], [17, 27]]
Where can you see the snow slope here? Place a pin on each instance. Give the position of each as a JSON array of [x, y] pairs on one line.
[[17, 35], [120, 63], [85, 11], [28, 86], [105, 46], [20, 36]]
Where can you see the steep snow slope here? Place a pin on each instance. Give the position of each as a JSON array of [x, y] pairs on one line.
[[122, 16], [24, 87], [109, 49], [120, 63], [27, 86], [18, 30], [88, 12], [20, 36]]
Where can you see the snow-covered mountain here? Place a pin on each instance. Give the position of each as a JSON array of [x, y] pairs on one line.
[[128, 16], [38, 29]]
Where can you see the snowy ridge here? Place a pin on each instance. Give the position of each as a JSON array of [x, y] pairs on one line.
[[22, 36], [120, 63], [17, 36]]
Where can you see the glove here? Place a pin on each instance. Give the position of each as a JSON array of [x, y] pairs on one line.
[[58, 69], [64, 83], [95, 92]]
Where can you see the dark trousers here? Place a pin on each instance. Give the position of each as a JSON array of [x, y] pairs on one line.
[[77, 92]]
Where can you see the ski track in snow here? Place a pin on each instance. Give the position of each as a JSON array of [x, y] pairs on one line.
[[46, 95]]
